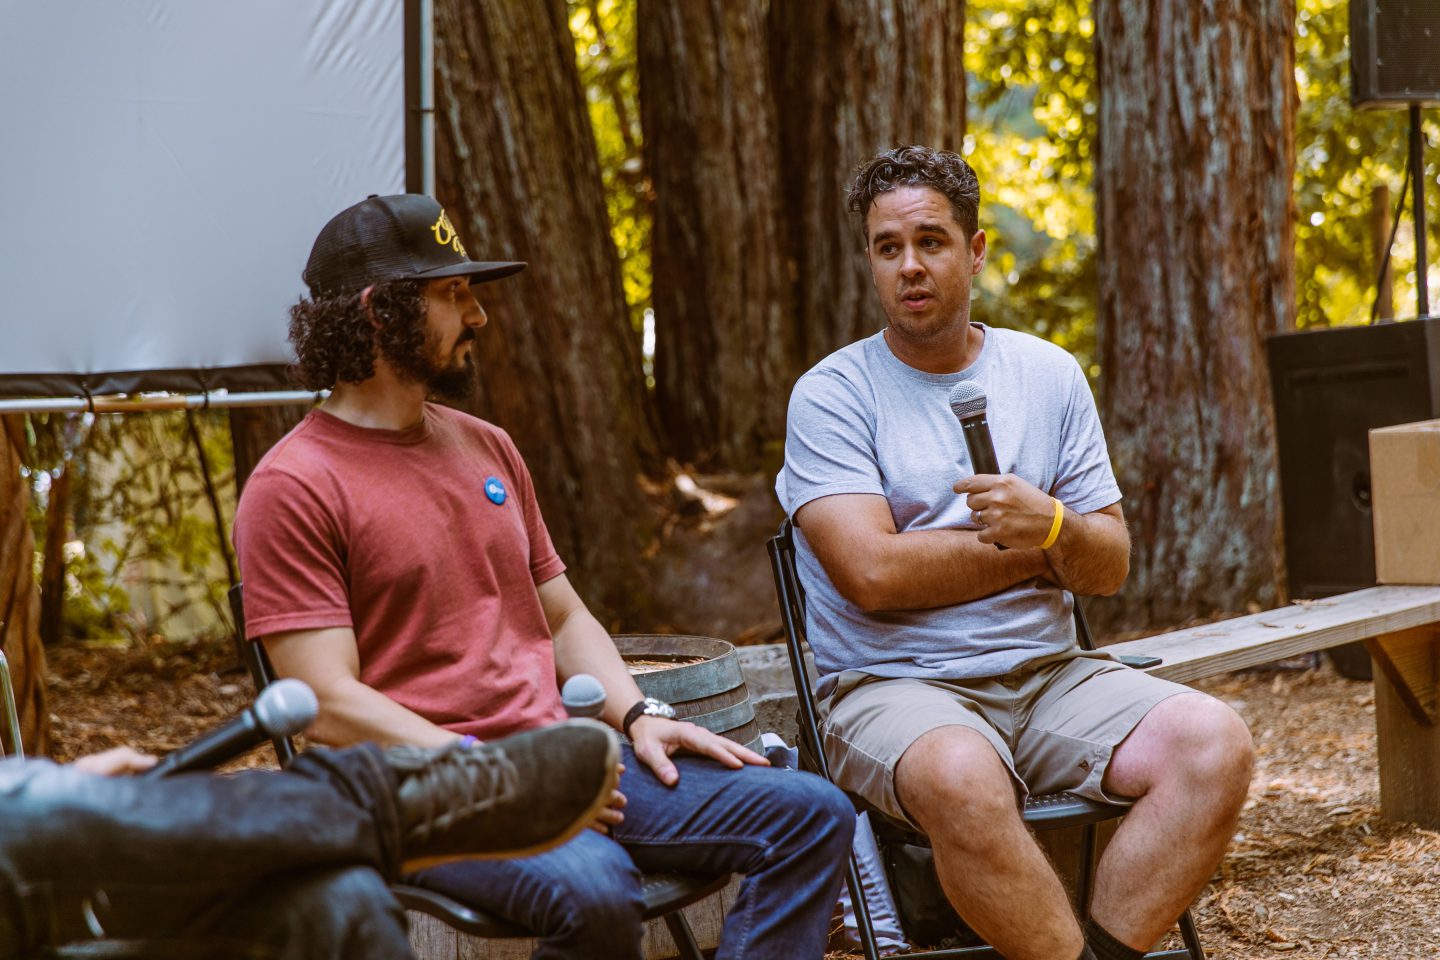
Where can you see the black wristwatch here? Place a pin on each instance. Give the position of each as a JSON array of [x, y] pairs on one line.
[[649, 707]]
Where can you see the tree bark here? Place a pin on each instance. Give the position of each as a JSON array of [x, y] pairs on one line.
[[254, 430], [1196, 245], [853, 78], [19, 598], [722, 293], [559, 364]]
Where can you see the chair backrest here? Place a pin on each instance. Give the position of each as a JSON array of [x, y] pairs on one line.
[[792, 614], [257, 662]]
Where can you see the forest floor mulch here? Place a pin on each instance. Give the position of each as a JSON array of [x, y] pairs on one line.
[[1314, 872]]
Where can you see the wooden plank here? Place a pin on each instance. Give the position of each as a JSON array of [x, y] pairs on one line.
[[433, 940], [1409, 758], [1411, 662], [706, 917], [1301, 628]]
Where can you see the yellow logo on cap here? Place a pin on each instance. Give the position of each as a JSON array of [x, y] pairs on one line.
[[446, 236]]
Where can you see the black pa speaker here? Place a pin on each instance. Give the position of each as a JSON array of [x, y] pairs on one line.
[[1331, 387], [1394, 52]]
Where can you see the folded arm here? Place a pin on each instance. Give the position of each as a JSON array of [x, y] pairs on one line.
[[876, 568], [1091, 556]]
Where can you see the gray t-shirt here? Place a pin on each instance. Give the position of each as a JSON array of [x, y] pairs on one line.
[[862, 421]]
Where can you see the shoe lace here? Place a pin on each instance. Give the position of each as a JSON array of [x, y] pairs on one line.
[[466, 782]]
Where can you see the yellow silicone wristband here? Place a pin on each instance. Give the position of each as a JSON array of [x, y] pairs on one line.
[[1055, 526]]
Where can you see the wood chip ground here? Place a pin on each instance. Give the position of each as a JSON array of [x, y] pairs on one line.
[[1314, 872]]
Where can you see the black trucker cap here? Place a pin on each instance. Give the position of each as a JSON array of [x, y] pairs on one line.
[[406, 236]]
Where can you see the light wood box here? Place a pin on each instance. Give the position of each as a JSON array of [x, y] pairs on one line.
[[1405, 497]]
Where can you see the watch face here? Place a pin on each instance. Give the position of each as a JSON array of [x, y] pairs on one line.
[[658, 708]]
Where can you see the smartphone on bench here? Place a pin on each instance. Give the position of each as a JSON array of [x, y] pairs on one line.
[[1140, 663]]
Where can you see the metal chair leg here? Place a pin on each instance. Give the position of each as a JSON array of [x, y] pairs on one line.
[[864, 927], [684, 939], [1191, 936], [1087, 868]]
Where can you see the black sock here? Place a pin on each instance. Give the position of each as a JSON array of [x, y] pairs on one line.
[[1105, 947]]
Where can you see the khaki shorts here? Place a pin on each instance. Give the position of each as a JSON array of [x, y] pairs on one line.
[[1054, 723]]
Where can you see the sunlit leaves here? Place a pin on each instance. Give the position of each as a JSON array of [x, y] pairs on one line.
[[1034, 106], [604, 32], [137, 503], [1031, 140], [1341, 155]]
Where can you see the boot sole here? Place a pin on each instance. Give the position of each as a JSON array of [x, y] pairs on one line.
[[581, 822]]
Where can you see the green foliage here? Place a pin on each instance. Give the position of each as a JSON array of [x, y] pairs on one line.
[[1032, 135], [139, 512], [1033, 131], [1341, 155], [604, 32], [1033, 95]]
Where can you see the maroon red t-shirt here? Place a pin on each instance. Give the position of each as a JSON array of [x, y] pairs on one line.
[[429, 543]]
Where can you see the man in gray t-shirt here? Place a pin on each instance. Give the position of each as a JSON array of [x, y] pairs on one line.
[[951, 683]]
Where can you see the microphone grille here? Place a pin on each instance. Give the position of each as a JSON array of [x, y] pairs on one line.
[[582, 690], [286, 707], [967, 398]]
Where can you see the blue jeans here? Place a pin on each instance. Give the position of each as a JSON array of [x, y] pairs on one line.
[[261, 864], [788, 832]]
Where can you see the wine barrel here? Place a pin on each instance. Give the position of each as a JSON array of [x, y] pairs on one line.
[[705, 684]]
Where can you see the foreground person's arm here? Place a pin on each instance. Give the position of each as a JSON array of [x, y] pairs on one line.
[[116, 762]]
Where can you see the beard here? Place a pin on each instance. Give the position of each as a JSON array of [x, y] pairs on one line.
[[421, 363], [452, 384]]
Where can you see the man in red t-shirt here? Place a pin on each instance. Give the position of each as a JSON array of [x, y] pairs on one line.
[[395, 559]]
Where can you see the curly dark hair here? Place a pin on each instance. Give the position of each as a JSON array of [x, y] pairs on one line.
[[917, 166], [336, 339]]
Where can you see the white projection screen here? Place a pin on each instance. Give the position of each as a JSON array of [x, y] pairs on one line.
[[164, 168]]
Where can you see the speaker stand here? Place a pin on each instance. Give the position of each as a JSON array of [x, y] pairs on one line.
[[1417, 179]]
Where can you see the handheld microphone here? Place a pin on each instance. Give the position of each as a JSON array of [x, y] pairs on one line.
[[967, 402], [283, 709], [583, 696]]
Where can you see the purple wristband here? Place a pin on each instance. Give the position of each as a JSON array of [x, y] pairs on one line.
[[469, 740]]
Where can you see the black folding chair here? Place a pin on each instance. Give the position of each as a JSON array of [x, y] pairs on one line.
[[665, 894], [1050, 812]]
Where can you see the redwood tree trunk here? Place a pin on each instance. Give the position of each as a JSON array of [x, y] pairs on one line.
[[254, 430], [19, 598], [559, 364], [1196, 156], [722, 293], [853, 78]]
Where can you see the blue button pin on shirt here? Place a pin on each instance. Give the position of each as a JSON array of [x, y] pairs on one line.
[[495, 490]]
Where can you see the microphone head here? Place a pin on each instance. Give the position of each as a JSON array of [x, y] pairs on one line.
[[286, 707], [967, 399], [583, 696]]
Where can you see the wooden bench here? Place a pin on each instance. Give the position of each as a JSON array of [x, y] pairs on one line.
[[1400, 626]]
